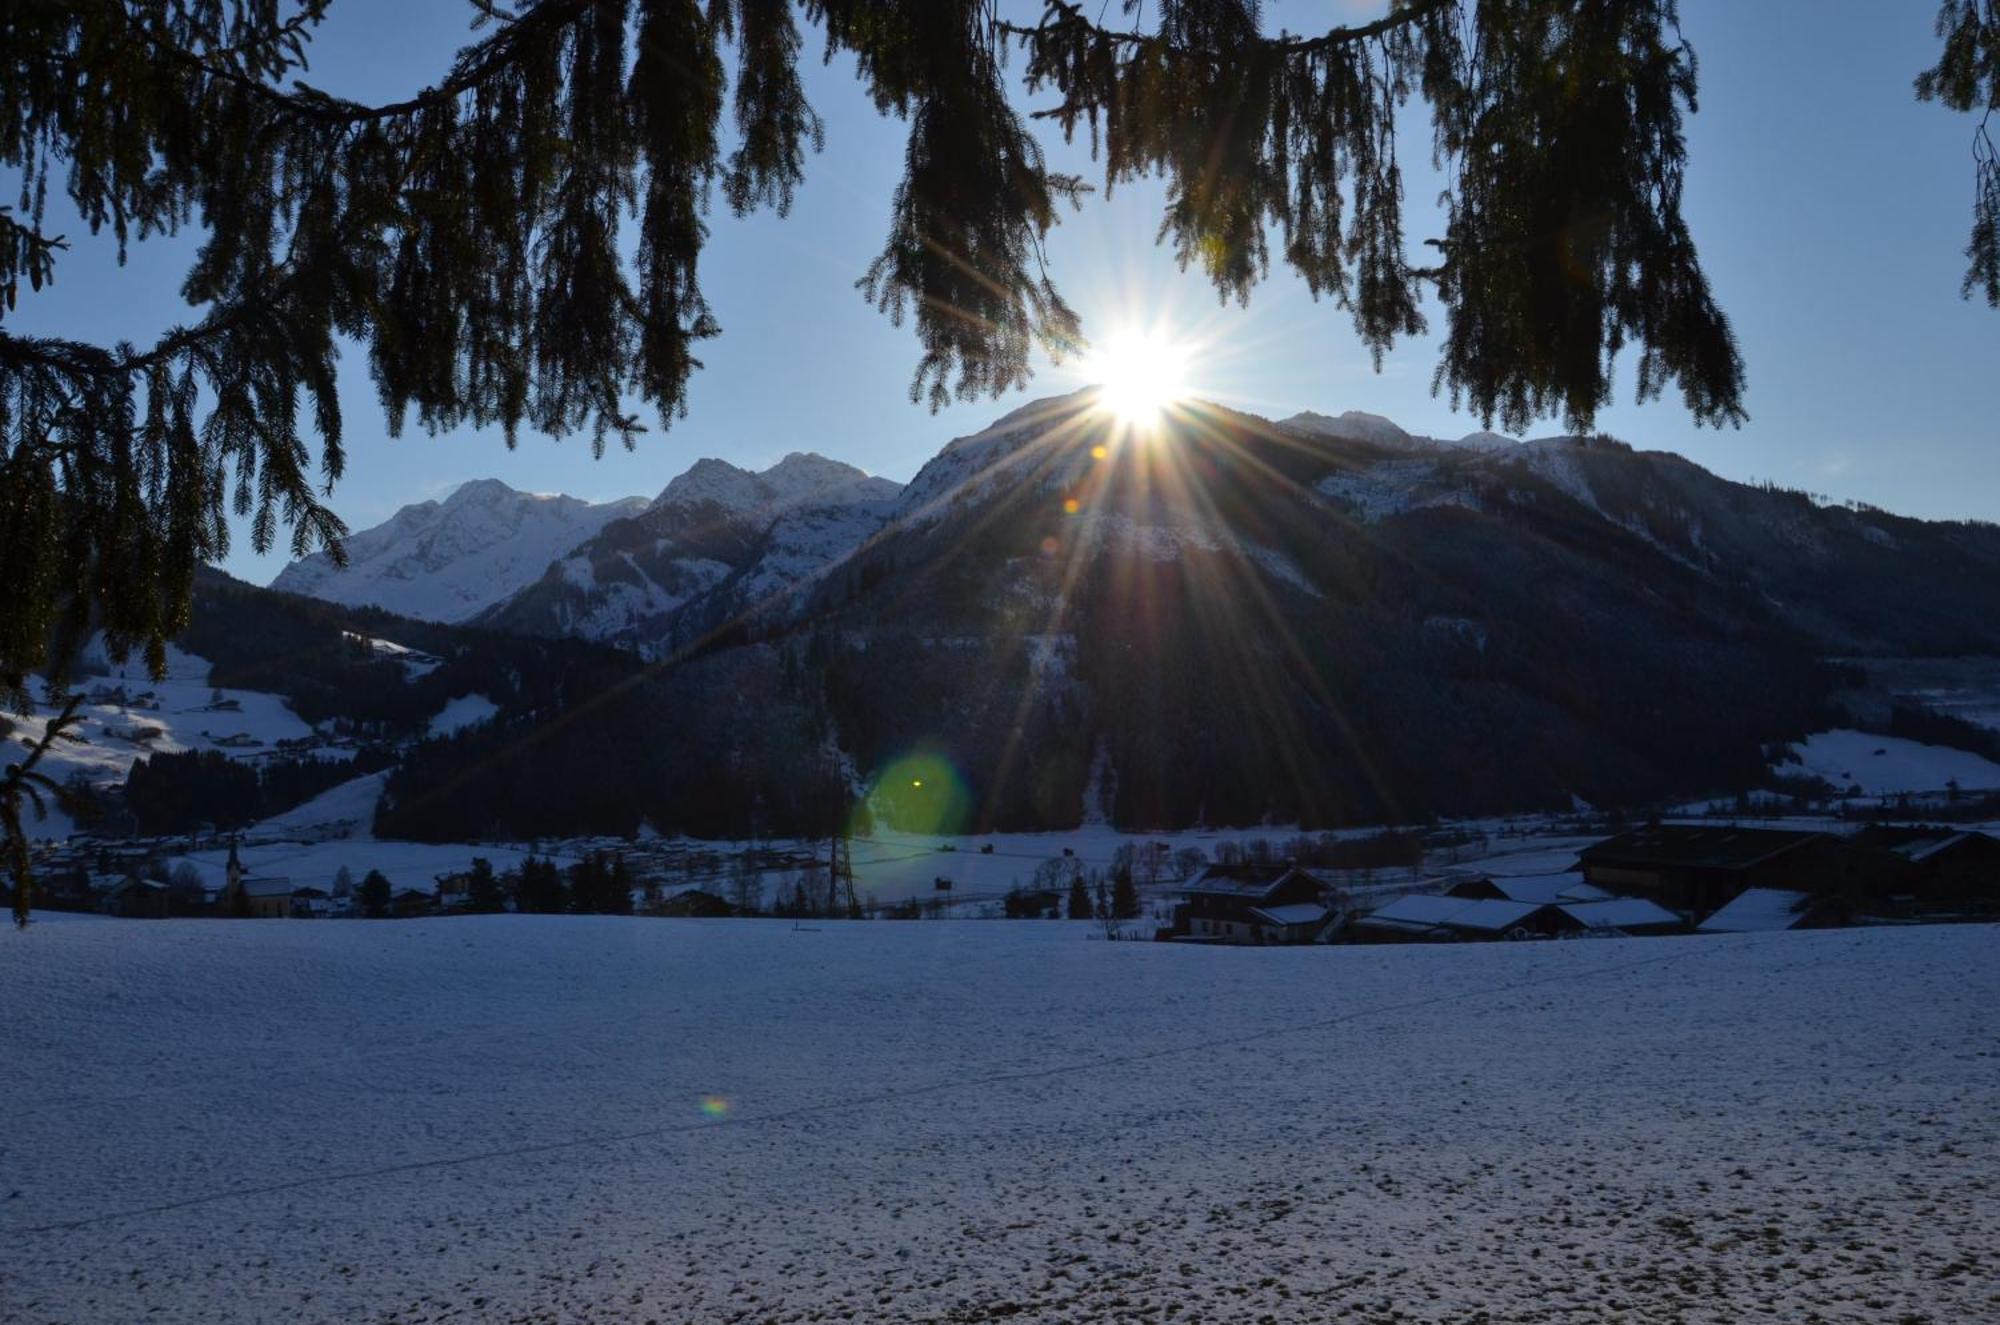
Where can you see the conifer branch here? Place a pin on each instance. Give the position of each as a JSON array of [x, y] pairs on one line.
[[22, 786]]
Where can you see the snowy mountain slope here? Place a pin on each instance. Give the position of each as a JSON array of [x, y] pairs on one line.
[[450, 560], [718, 541], [127, 716]]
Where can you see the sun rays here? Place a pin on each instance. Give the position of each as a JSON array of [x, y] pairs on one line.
[[1140, 375]]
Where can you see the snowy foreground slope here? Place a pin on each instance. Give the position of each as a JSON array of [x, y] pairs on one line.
[[571, 1119]]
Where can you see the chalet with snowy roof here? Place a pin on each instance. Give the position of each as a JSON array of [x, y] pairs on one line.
[[1253, 904], [1696, 868]]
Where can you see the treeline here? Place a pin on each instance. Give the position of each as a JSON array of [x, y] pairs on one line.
[[317, 656], [599, 884], [1933, 728], [733, 746], [173, 793]]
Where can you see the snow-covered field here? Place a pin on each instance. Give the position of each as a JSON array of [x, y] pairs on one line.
[[1884, 765], [596, 1119]]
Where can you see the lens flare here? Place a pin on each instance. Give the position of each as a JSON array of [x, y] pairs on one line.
[[714, 1106], [1139, 375], [921, 793]]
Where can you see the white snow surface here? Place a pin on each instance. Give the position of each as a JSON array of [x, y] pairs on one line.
[[462, 712], [1754, 910], [451, 560], [185, 717], [346, 810], [623, 1120], [1884, 765]]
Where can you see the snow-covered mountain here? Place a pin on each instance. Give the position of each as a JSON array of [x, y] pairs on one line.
[[718, 542], [451, 560]]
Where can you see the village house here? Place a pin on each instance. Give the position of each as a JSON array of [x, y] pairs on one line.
[[135, 898], [693, 902], [1247, 903], [407, 902]]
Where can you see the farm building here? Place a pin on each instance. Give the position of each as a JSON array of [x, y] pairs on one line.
[[1940, 870], [1695, 868], [1421, 919], [1252, 904]]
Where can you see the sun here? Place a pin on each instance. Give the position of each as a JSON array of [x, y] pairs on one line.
[[1139, 375]]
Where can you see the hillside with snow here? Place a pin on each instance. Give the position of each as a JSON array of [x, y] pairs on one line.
[[451, 560], [717, 544], [529, 1118]]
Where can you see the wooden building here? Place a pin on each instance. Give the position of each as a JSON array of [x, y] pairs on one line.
[[1252, 904], [694, 902], [1696, 868], [135, 898], [1941, 871]]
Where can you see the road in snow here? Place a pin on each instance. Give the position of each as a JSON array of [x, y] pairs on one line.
[[589, 1118]]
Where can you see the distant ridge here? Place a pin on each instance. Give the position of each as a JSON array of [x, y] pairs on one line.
[[451, 560]]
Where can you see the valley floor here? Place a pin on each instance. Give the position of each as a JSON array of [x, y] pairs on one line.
[[596, 1119]]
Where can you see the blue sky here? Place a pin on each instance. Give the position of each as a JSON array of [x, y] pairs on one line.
[[1830, 208]]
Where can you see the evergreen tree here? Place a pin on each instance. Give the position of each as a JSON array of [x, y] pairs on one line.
[[1124, 896], [746, 884], [1967, 78], [482, 889], [1079, 899], [538, 888], [618, 887], [374, 894]]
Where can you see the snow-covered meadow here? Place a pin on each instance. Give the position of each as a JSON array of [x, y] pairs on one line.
[[590, 1118]]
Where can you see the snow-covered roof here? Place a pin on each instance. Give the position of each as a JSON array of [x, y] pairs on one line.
[[1419, 910], [1549, 888], [1493, 914], [1297, 913], [1619, 913], [266, 885], [1455, 912], [1920, 849], [1756, 909]]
